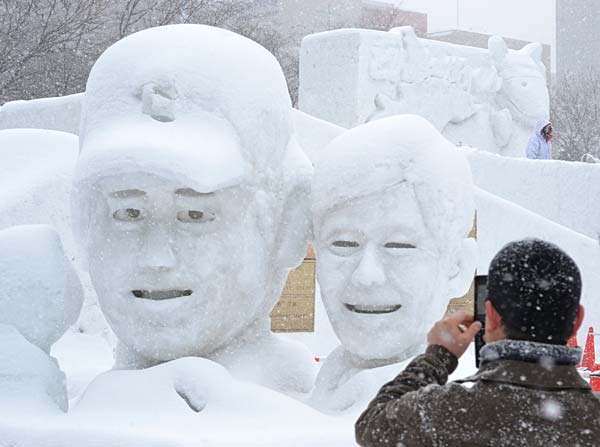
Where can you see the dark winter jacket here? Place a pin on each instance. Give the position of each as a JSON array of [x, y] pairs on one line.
[[524, 394]]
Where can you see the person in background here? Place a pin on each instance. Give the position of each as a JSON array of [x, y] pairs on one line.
[[539, 146], [527, 391]]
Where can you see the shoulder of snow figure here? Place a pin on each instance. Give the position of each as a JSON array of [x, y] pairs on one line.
[[395, 416]]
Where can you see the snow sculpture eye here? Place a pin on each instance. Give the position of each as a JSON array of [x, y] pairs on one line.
[[128, 215], [398, 245], [524, 83], [195, 216], [344, 248]]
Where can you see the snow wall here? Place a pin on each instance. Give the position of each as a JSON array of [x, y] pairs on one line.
[[486, 98], [60, 113], [564, 192], [500, 221]]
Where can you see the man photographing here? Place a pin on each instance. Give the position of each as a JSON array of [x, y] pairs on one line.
[[527, 391]]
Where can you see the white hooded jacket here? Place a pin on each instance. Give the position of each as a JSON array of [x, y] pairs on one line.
[[537, 147]]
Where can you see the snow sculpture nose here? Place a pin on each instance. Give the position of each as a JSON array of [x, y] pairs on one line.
[[369, 271], [156, 252]]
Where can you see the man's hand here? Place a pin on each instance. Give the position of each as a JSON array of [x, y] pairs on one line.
[[454, 332]]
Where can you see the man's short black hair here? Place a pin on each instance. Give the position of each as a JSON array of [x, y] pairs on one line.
[[536, 288]]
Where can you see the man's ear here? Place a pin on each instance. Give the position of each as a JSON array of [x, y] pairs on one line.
[[463, 264], [578, 320], [493, 320]]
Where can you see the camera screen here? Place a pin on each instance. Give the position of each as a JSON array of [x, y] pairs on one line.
[[480, 296]]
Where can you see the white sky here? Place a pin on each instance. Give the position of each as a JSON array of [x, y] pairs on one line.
[[532, 20]]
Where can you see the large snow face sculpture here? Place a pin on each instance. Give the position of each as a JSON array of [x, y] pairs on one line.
[[189, 191], [393, 206]]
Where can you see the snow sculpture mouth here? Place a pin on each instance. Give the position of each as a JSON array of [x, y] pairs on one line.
[[373, 309], [158, 295]]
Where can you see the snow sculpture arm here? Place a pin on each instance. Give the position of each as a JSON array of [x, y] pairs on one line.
[[502, 125], [393, 418], [30, 380]]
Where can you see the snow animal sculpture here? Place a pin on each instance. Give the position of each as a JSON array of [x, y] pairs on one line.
[[486, 98], [41, 297], [393, 205], [190, 200]]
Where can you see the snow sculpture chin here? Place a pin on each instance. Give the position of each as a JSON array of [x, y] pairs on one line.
[[189, 199], [392, 205]]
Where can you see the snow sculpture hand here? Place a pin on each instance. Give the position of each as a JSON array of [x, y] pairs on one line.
[[188, 395], [340, 384]]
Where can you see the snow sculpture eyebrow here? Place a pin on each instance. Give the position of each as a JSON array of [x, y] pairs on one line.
[[128, 193], [189, 192]]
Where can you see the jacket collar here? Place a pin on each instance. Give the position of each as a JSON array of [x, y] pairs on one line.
[[530, 365], [529, 351]]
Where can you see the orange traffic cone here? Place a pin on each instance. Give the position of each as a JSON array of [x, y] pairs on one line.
[[589, 353], [595, 383]]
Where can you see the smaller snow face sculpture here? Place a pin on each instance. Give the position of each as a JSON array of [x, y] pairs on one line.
[[393, 206], [190, 196]]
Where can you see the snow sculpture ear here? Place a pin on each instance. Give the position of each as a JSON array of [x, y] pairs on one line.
[[295, 225], [534, 50], [464, 262], [498, 49]]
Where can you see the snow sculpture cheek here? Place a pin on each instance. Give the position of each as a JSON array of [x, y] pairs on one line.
[[177, 271], [378, 270]]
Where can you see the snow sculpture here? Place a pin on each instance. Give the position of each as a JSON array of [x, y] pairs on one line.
[[488, 99], [41, 295], [41, 298], [190, 200], [393, 205]]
